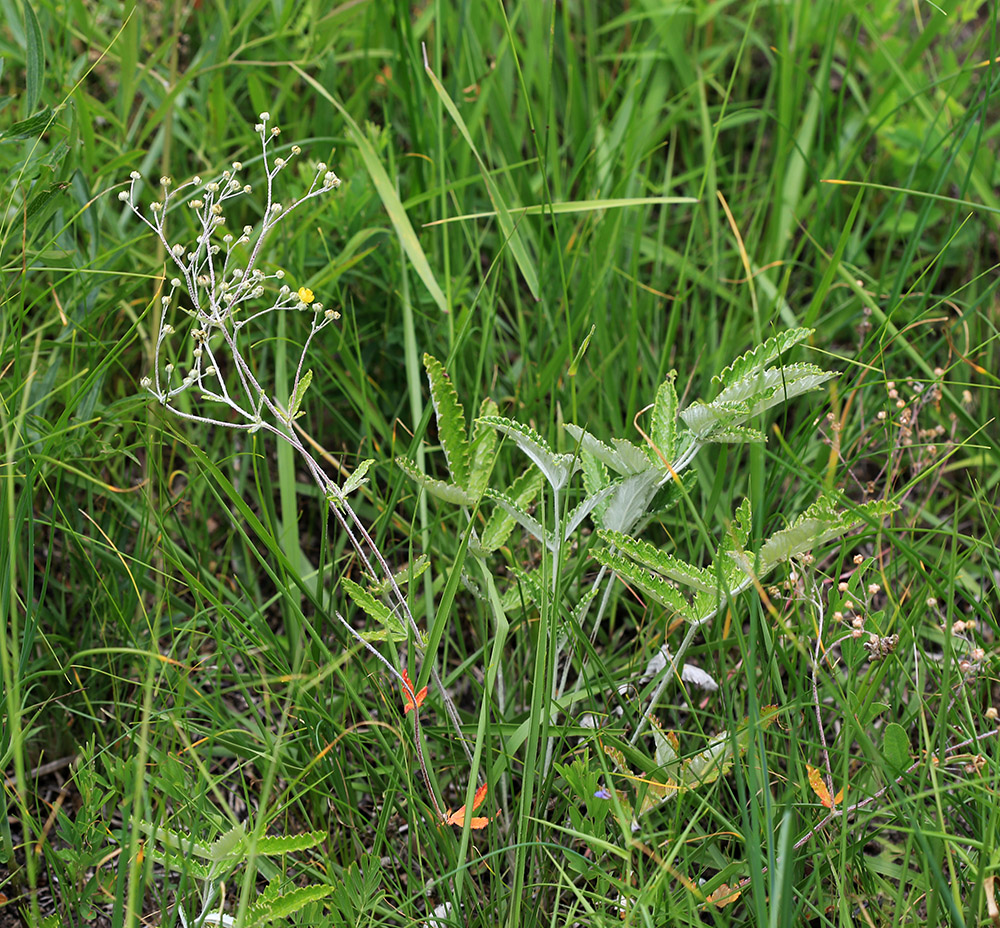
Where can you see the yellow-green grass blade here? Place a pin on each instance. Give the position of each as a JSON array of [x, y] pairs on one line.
[[571, 206]]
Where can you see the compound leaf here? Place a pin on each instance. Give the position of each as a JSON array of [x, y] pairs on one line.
[[269, 908], [390, 624], [652, 584], [357, 479]]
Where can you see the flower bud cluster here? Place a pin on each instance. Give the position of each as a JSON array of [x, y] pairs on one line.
[[219, 285], [857, 604]]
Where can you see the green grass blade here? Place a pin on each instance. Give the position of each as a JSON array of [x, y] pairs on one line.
[[387, 193], [511, 235]]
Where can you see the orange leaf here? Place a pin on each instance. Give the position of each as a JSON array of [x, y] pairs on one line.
[[411, 699], [458, 817], [818, 786], [723, 896]]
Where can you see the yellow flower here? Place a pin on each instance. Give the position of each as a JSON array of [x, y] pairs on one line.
[[306, 295]]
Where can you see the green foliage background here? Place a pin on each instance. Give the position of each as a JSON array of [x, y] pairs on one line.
[[167, 590]]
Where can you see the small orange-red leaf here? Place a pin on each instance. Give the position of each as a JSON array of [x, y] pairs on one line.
[[723, 896], [818, 786], [411, 698], [458, 816]]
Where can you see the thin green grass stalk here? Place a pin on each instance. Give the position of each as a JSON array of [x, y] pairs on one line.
[[538, 725], [413, 381], [11, 657], [132, 914], [288, 526]]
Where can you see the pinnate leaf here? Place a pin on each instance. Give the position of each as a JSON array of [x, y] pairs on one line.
[[595, 473], [763, 389], [820, 522], [718, 422], [483, 450], [450, 420], [583, 509], [388, 624], [757, 358], [500, 524], [631, 500], [175, 840], [649, 582], [527, 522], [357, 479], [269, 908], [556, 468], [664, 432], [230, 844], [528, 586], [402, 576], [622, 456], [449, 492], [633, 459], [271, 845], [654, 558]]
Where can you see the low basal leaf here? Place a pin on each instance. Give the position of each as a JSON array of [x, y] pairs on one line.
[[500, 524], [653, 585]]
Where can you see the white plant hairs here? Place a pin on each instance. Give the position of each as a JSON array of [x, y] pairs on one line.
[[206, 346]]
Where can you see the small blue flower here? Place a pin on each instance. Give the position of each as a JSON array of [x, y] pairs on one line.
[[602, 793]]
